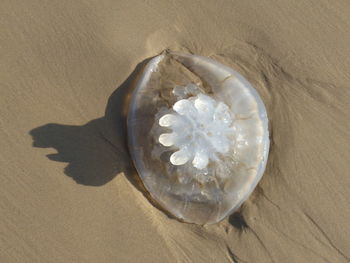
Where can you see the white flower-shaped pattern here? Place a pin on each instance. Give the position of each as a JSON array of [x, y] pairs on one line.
[[201, 128]]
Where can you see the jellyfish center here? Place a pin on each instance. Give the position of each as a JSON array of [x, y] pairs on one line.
[[200, 130]]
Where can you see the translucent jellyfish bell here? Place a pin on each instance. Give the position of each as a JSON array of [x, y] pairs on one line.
[[198, 136]]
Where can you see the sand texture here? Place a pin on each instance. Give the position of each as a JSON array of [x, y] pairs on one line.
[[68, 190]]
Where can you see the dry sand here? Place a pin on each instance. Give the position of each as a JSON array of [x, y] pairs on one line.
[[68, 189]]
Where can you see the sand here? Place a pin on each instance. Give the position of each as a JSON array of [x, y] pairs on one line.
[[68, 189]]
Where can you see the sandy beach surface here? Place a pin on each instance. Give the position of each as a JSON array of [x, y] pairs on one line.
[[68, 190]]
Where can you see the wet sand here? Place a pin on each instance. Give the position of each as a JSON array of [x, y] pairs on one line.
[[69, 192]]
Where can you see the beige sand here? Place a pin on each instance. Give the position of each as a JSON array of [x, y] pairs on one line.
[[72, 196]]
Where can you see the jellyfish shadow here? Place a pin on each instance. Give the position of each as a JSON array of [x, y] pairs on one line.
[[97, 151]]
